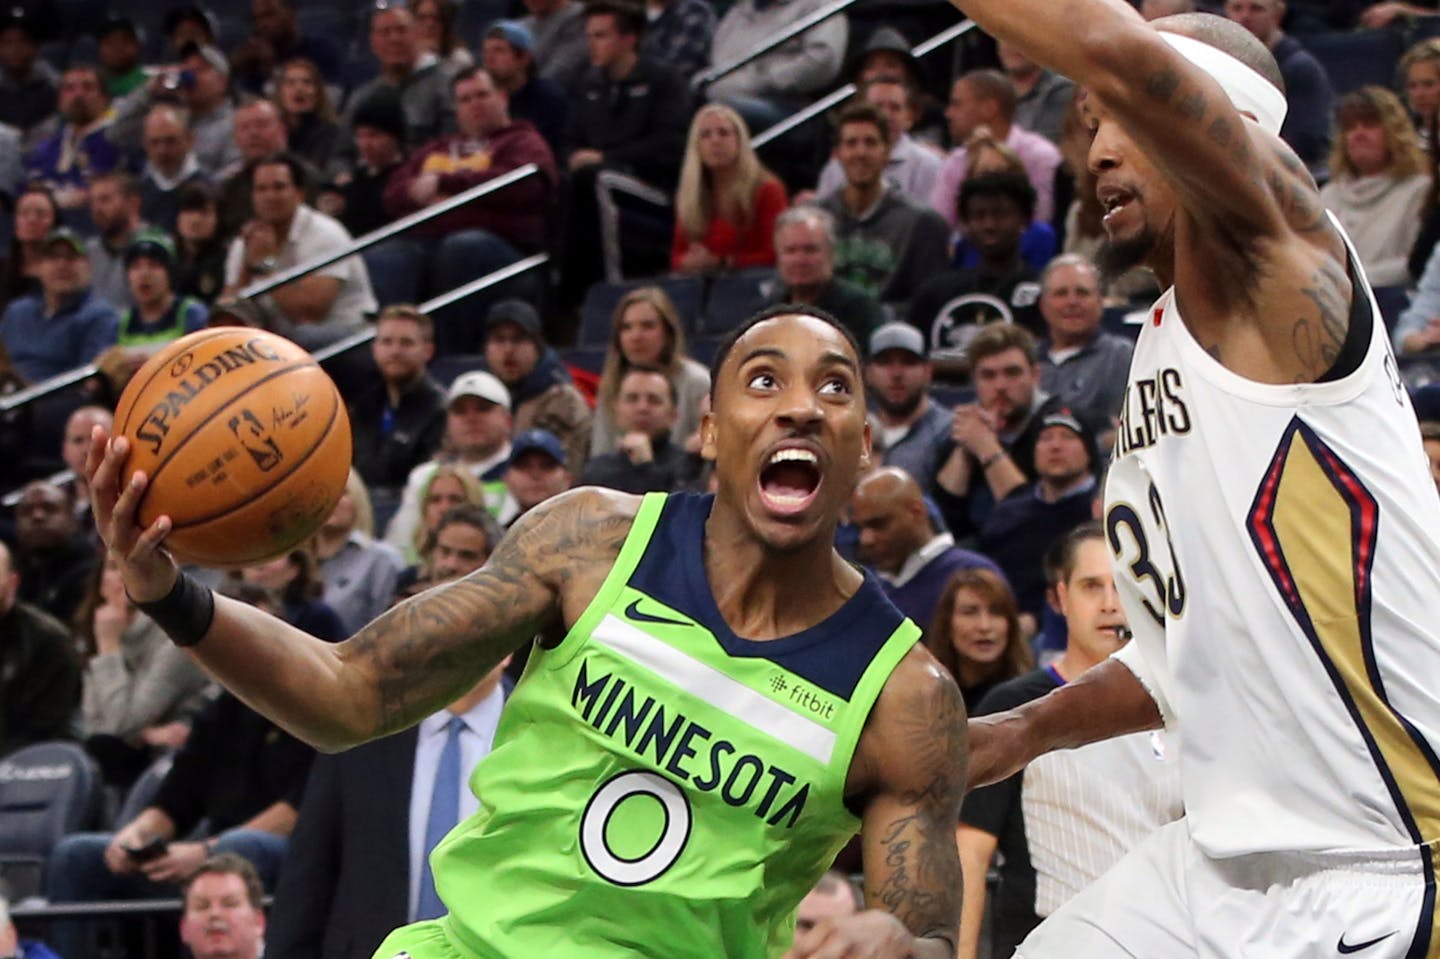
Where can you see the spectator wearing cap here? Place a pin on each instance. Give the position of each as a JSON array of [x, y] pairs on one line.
[[397, 423], [899, 541], [558, 30], [542, 394], [420, 81], [645, 459], [907, 425], [189, 23], [805, 268], [115, 211], [358, 193], [158, 314], [259, 133], [1022, 526], [119, 43], [199, 82], [170, 164], [313, 310], [477, 439], [276, 38], [679, 34], [1085, 367], [489, 233], [66, 324], [199, 247], [508, 55], [28, 85], [81, 146], [535, 472]]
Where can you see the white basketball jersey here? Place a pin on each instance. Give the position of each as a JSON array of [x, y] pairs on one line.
[[1277, 550], [1086, 808]]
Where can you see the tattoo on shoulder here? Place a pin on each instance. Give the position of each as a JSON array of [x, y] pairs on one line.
[[430, 649], [1294, 189], [1318, 339], [919, 879]]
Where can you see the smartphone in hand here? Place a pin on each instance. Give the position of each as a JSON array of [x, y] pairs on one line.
[[150, 851]]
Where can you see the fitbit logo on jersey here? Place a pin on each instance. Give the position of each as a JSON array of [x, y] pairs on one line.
[[678, 745], [156, 425]]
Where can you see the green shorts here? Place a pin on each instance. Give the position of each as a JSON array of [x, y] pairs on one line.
[[421, 940]]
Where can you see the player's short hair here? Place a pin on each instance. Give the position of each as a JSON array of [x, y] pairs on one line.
[[769, 313], [1228, 36], [994, 86], [864, 113], [995, 338], [230, 864], [1013, 185], [1064, 552], [410, 313]]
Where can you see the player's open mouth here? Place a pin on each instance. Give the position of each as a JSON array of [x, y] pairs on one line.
[[1114, 200], [789, 480]]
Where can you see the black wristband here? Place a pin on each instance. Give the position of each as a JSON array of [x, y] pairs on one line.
[[185, 613]]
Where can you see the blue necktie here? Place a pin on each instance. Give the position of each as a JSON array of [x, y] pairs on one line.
[[444, 814]]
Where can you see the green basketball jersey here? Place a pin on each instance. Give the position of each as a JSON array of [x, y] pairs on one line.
[[658, 785]]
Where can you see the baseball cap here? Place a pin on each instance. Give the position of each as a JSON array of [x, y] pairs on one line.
[[152, 243], [67, 236], [1063, 417], [482, 384], [542, 440], [190, 13], [519, 312], [514, 33], [18, 16], [117, 23], [210, 55], [897, 336]]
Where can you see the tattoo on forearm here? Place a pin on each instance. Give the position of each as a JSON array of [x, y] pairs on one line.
[[919, 878], [430, 649], [1294, 189]]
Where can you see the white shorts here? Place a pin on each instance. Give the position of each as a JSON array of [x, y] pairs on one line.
[[1166, 899]]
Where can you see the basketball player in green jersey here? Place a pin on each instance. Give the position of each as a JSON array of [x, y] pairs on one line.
[[717, 702]]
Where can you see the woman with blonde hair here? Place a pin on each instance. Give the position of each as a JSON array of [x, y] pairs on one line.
[[646, 331], [975, 634], [727, 200], [1379, 180], [310, 122], [448, 485]]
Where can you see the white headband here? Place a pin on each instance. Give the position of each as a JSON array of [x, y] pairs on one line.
[[1248, 91]]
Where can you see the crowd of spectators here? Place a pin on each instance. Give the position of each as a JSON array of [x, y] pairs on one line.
[[156, 166]]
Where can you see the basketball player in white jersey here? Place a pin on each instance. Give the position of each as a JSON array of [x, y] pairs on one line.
[[1275, 533]]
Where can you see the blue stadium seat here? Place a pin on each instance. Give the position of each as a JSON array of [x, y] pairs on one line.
[[47, 790], [591, 358], [444, 369], [142, 791], [1353, 60], [396, 269], [734, 297]]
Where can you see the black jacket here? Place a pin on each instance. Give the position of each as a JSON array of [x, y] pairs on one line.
[[39, 678], [385, 459], [667, 470], [639, 123]]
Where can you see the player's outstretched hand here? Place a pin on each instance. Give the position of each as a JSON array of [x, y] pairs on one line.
[[872, 934], [148, 570]]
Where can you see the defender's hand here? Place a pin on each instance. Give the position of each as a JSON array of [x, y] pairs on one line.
[[147, 569]]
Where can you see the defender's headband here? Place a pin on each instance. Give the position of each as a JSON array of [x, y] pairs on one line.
[[1248, 91]]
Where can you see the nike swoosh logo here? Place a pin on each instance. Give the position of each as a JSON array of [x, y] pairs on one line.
[[1347, 949], [633, 612]]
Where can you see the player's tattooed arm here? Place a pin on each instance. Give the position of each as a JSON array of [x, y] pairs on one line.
[[1319, 335], [916, 750], [430, 649]]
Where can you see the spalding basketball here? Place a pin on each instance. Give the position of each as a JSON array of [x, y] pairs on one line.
[[245, 441]]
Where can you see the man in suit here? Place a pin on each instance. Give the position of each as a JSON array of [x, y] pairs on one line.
[[358, 866]]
